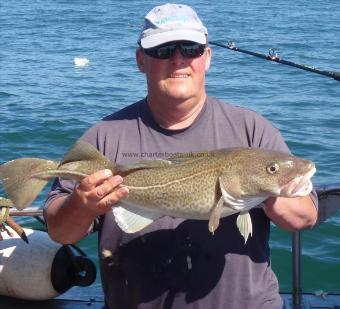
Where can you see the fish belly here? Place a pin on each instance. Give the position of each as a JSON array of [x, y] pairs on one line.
[[183, 200]]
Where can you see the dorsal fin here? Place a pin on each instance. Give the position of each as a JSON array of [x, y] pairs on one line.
[[83, 151]]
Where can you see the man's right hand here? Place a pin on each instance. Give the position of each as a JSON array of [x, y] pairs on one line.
[[99, 192], [70, 218]]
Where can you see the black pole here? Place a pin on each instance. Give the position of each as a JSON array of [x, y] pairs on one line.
[[296, 245], [272, 56]]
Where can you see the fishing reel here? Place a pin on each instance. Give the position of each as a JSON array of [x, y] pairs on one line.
[[69, 270]]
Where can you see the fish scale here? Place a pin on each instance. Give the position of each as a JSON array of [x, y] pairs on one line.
[[193, 193]]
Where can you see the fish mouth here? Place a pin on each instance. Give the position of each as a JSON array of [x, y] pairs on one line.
[[300, 185]]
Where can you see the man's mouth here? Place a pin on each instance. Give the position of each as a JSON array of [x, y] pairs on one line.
[[173, 75]]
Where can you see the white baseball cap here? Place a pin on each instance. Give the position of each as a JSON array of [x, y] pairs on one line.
[[172, 22]]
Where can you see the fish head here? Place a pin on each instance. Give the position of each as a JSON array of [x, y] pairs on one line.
[[259, 172]]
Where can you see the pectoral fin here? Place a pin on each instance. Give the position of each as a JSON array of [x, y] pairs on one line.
[[214, 220], [244, 225], [132, 222], [240, 204]]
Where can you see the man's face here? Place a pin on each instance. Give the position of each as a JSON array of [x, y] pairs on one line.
[[177, 78]]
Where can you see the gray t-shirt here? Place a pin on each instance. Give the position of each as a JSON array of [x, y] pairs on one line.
[[176, 263]]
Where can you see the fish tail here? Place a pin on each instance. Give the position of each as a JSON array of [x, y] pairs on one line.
[[20, 181]]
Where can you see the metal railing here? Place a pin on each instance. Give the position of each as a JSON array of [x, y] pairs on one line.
[[329, 203]]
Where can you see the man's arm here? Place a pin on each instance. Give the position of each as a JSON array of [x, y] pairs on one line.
[[291, 214], [70, 218]]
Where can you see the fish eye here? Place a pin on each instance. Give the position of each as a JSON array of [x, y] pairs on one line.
[[273, 168]]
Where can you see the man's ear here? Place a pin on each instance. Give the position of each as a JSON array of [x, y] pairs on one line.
[[140, 60], [208, 58]]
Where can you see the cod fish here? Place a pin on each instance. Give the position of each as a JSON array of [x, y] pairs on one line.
[[205, 185]]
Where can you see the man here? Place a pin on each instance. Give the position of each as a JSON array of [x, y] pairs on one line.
[[176, 263]]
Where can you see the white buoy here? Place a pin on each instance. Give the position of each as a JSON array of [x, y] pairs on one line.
[[81, 62], [25, 269], [41, 269]]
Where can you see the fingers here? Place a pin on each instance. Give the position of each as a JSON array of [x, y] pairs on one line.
[[107, 186], [114, 196], [110, 189], [100, 191], [92, 181]]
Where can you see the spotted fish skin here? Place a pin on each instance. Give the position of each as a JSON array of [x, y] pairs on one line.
[[191, 187]]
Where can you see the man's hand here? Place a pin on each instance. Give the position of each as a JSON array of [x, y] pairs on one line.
[[291, 214], [70, 218], [98, 192]]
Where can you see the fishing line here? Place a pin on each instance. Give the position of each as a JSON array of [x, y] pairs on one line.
[[273, 56]]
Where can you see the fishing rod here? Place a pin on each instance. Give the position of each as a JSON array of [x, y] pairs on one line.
[[273, 56]]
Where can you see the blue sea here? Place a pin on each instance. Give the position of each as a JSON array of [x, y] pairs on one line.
[[46, 102]]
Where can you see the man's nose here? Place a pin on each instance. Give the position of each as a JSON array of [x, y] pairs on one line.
[[177, 57]]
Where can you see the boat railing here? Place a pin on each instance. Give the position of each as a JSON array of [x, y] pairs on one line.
[[329, 203]]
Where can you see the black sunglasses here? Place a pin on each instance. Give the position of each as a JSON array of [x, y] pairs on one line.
[[167, 50]]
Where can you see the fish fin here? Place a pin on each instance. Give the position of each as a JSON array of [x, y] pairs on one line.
[[83, 151], [144, 164], [240, 204], [23, 179], [214, 220], [132, 222], [244, 225]]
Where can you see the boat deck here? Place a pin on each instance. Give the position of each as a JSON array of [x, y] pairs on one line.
[[312, 301], [92, 297], [77, 297]]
